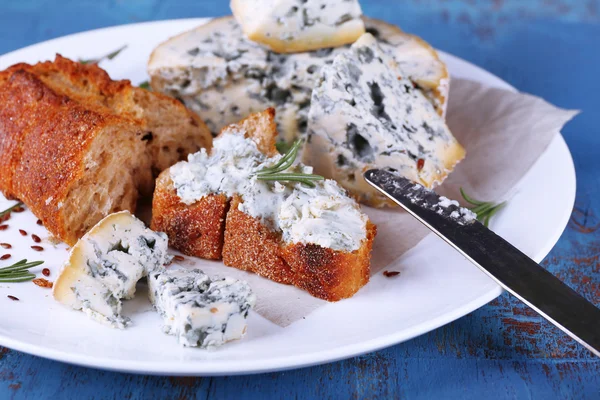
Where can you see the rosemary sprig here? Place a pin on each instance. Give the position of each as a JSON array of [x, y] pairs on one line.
[[275, 172], [484, 210], [9, 209], [145, 85], [109, 56], [18, 272], [283, 147]]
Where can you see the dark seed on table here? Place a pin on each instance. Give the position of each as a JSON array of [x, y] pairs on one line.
[[5, 217], [389, 274], [5, 245], [39, 222], [3, 227], [35, 238], [46, 272], [22, 232], [178, 258], [5, 257], [13, 298], [37, 248], [18, 209]]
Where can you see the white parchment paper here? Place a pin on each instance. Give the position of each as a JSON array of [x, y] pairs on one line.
[[503, 132]]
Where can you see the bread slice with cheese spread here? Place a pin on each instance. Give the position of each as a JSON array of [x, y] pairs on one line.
[[315, 238], [224, 77], [76, 146]]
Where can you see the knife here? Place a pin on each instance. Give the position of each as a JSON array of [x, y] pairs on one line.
[[509, 267]]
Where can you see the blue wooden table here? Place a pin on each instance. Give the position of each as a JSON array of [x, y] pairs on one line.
[[550, 48]]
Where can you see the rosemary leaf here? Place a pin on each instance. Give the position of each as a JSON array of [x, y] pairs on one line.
[[283, 147], [18, 272], [9, 209], [285, 162], [484, 210], [276, 171], [108, 56], [469, 199], [16, 279], [145, 85]]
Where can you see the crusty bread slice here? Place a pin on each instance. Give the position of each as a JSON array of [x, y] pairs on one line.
[[198, 229], [247, 243], [76, 146], [324, 273]]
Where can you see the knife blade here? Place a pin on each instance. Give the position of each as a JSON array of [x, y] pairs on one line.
[[504, 263]]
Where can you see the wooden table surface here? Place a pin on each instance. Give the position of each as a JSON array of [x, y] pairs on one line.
[[550, 48]]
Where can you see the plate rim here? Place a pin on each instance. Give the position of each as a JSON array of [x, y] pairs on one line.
[[282, 363]]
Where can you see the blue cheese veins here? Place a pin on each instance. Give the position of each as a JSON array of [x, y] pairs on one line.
[[199, 311], [224, 77], [105, 265], [323, 215], [365, 113], [291, 26]]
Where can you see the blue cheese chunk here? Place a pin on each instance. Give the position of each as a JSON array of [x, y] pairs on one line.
[[224, 77], [365, 113], [199, 311], [105, 265], [292, 26]]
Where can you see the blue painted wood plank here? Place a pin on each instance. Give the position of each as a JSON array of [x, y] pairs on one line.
[[550, 48]]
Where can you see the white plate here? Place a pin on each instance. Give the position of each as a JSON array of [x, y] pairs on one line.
[[437, 285]]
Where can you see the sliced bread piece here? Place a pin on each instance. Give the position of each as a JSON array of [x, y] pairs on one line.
[[224, 77], [314, 238], [76, 146], [364, 115], [293, 26]]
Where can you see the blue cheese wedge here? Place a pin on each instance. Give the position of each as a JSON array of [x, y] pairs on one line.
[[365, 113], [224, 77], [199, 311], [105, 265], [292, 26]]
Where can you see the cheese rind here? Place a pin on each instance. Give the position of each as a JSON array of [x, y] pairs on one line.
[[105, 265], [199, 311], [292, 26], [363, 115], [224, 77]]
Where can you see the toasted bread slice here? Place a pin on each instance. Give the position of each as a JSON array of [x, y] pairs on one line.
[[76, 146], [198, 229], [324, 273], [248, 243]]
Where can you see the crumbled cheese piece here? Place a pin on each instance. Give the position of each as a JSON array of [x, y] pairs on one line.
[[201, 312]]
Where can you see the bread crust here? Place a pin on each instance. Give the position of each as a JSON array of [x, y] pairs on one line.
[[196, 229], [60, 120], [324, 273], [44, 140]]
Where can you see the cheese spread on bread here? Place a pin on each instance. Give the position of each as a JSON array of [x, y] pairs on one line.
[[323, 215], [105, 265], [199, 311], [291, 26]]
